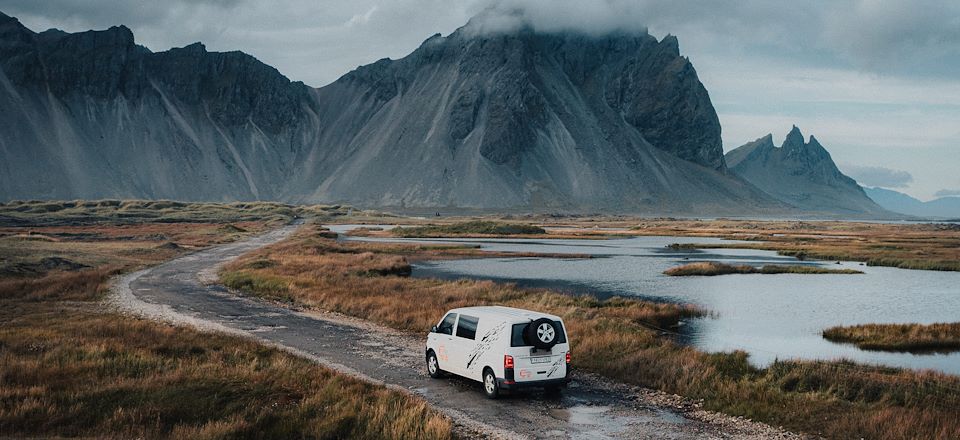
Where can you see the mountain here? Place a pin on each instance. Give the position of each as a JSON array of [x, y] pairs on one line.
[[943, 207], [92, 114], [473, 120], [802, 174]]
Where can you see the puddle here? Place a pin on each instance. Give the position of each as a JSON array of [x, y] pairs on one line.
[[580, 414]]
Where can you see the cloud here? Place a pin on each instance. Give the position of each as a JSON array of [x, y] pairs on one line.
[[593, 17], [878, 176], [898, 37], [947, 193], [890, 37]]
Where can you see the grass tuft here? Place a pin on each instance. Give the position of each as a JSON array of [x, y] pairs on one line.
[[939, 337], [712, 268], [472, 228]]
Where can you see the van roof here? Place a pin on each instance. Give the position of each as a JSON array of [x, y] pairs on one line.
[[505, 313]]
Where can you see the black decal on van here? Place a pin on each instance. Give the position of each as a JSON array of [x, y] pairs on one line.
[[555, 366], [485, 342]]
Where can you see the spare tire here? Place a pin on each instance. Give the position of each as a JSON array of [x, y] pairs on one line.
[[542, 333]]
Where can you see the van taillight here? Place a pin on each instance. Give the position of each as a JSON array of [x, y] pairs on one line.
[[507, 361], [568, 357]]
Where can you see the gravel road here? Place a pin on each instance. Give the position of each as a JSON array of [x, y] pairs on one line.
[[184, 292]]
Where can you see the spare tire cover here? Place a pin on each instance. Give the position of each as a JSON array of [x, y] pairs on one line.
[[542, 333]]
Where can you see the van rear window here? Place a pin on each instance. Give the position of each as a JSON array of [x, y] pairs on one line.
[[467, 327], [516, 337]]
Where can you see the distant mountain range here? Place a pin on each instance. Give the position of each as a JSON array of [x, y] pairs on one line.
[[519, 120], [944, 207], [801, 174]]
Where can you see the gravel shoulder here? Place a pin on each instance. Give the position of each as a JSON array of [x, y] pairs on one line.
[[184, 292]]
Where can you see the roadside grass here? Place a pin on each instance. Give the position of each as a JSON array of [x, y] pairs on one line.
[[70, 368], [940, 337], [468, 229], [73, 212], [924, 246], [619, 338], [712, 268], [22, 249]]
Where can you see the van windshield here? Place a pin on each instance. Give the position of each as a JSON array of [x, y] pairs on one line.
[[516, 338]]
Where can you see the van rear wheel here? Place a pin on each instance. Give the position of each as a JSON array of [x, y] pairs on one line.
[[433, 367], [490, 386]]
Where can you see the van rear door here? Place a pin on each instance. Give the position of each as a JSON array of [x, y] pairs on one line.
[[532, 364]]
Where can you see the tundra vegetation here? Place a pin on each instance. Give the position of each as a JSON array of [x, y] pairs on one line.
[[711, 268], [71, 368], [619, 338], [86, 212], [939, 337], [927, 246], [477, 228]]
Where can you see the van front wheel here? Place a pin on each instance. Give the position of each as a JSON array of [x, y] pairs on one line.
[[433, 367], [490, 386]]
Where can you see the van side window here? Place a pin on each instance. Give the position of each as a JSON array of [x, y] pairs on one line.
[[446, 326], [516, 336], [467, 327]]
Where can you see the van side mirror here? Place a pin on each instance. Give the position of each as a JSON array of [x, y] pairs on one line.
[[433, 329]]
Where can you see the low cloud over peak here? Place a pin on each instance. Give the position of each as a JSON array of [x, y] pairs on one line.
[[592, 18], [878, 176], [947, 193]]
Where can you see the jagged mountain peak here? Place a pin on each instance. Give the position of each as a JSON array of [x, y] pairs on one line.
[[794, 139], [800, 173], [671, 43]]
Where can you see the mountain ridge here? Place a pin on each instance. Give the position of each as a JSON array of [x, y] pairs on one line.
[[557, 121], [801, 173], [895, 201]]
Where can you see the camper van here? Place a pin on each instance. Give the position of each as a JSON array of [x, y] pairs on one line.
[[502, 347]]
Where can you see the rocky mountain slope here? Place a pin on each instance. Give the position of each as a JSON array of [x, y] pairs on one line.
[[802, 174], [521, 120], [92, 114], [943, 207]]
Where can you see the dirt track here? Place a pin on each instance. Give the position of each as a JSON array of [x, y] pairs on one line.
[[183, 291]]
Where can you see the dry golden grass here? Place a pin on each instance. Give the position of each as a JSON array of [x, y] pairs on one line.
[[712, 268], [899, 337], [67, 369], [70, 369], [60, 212], [127, 245], [614, 338], [476, 228], [907, 246]]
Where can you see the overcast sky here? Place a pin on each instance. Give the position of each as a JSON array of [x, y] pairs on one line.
[[877, 82]]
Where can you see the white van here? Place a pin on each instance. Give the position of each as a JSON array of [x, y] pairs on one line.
[[502, 347]]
